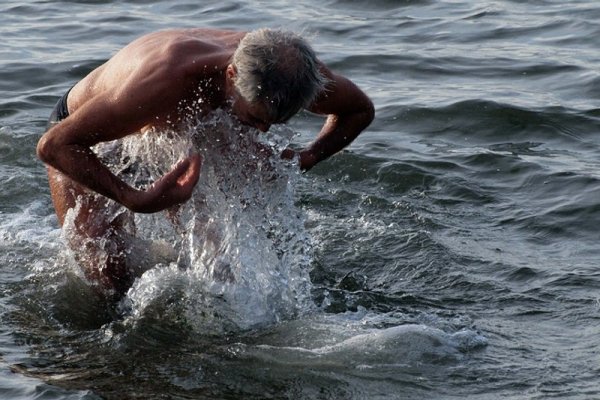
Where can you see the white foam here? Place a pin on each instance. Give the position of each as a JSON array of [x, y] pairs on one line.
[[328, 342], [29, 226]]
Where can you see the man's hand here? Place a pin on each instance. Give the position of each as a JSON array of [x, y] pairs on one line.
[[306, 158], [175, 187]]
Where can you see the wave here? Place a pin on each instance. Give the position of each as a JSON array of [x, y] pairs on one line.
[[482, 120]]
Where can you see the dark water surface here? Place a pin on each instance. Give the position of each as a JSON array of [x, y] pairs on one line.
[[452, 250]]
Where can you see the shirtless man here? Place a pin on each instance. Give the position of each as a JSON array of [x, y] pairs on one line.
[[263, 77]]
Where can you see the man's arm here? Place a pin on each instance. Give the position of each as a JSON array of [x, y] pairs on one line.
[[349, 111], [66, 147]]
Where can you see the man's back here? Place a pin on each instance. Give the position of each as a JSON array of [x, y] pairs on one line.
[[172, 61]]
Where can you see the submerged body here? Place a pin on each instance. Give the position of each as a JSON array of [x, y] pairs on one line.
[[157, 81]]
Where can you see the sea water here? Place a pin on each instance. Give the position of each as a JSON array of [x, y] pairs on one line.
[[450, 251]]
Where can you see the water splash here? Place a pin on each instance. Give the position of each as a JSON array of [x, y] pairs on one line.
[[236, 255]]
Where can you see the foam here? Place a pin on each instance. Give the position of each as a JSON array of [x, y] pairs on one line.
[[326, 342]]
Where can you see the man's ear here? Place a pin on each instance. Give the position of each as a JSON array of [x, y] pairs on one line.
[[231, 72]]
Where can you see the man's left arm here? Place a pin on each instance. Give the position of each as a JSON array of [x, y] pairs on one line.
[[349, 111]]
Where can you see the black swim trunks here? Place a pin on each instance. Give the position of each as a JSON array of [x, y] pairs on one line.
[[60, 111]]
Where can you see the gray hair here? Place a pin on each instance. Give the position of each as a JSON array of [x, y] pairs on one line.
[[279, 69]]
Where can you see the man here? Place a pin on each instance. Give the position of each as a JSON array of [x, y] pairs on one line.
[[263, 77]]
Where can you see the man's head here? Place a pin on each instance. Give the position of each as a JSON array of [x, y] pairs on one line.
[[276, 73]]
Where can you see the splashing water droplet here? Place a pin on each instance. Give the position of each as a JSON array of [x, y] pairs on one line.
[[242, 253]]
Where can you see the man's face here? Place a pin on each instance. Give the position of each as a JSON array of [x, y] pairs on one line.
[[251, 114]]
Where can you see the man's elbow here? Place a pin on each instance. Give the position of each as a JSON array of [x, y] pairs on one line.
[[45, 149], [367, 112]]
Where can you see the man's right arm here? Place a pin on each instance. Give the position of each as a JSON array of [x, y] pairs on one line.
[[67, 148]]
